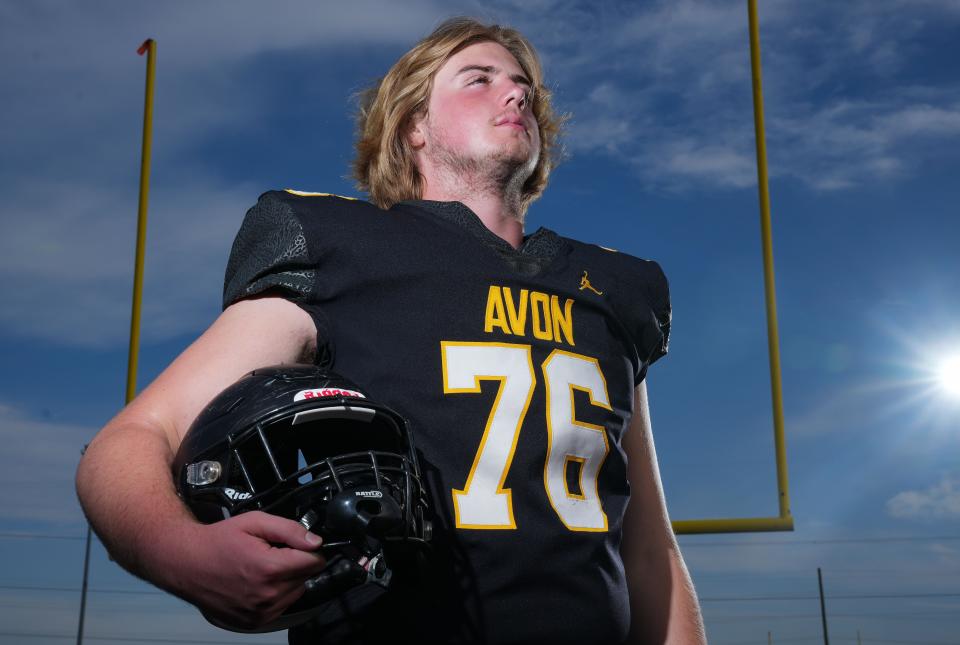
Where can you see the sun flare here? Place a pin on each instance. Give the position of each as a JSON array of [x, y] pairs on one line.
[[948, 375]]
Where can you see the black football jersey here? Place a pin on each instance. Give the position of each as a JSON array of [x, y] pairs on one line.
[[516, 369]]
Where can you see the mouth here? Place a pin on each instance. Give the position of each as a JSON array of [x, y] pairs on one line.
[[511, 122]]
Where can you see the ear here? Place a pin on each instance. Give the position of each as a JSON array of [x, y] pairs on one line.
[[415, 132]]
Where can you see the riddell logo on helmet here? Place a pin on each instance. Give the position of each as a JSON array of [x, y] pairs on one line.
[[236, 494], [326, 393]]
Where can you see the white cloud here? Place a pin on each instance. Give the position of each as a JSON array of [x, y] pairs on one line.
[[720, 165], [69, 69], [217, 31], [663, 88], [72, 114], [843, 108], [67, 260], [939, 501], [921, 119], [603, 132], [944, 6], [855, 142]]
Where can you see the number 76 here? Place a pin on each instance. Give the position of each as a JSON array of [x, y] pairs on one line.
[[484, 503]]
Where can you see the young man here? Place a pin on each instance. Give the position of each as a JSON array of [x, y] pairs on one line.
[[519, 361]]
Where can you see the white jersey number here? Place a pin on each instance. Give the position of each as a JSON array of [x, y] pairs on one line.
[[484, 503]]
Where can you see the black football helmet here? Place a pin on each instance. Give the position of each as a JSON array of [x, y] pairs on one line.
[[306, 444]]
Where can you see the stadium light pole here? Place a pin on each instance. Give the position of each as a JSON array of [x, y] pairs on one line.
[[149, 47]]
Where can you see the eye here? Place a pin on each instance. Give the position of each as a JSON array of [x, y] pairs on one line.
[[479, 79]]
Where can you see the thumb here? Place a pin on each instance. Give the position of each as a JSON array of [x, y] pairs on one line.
[[280, 530]]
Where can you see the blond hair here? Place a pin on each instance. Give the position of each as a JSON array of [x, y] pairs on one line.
[[384, 166]]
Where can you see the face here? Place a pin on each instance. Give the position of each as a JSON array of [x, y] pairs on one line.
[[479, 116]]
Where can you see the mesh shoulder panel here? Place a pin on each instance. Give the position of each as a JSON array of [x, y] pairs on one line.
[[269, 252]]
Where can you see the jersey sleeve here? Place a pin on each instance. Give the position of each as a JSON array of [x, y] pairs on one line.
[[658, 297], [269, 253], [648, 312]]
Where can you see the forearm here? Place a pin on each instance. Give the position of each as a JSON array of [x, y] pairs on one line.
[[663, 602], [685, 626], [127, 492]]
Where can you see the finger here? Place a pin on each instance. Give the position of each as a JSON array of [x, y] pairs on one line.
[[284, 602], [297, 565], [295, 593], [279, 530]]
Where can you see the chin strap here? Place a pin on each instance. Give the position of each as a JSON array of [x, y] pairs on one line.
[[339, 575], [342, 574], [355, 516]]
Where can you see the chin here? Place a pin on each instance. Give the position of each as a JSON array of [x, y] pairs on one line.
[[521, 152]]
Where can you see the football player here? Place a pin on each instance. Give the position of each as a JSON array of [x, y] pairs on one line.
[[518, 359]]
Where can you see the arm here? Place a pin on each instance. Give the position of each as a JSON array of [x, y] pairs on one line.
[[663, 603], [125, 485]]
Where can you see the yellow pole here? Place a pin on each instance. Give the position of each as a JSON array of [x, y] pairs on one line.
[[733, 525], [784, 521], [773, 339], [150, 47]]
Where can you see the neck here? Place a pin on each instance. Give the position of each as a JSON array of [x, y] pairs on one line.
[[499, 210]]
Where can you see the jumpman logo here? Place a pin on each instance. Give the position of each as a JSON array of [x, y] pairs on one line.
[[585, 284]]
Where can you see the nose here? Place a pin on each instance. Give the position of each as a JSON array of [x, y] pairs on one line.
[[517, 93]]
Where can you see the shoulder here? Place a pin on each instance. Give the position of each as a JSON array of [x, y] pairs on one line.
[[318, 218], [273, 248], [309, 198], [281, 218], [631, 271], [300, 203], [641, 296]]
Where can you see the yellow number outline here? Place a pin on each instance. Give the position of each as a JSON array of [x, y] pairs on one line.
[[459, 494], [475, 389], [574, 422]]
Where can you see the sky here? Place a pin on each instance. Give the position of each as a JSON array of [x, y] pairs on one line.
[[862, 105]]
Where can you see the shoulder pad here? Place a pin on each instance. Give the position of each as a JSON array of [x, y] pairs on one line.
[[270, 251]]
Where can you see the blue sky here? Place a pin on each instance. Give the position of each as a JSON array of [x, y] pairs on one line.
[[863, 126]]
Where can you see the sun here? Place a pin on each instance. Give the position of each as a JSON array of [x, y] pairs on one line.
[[948, 375], [920, 377]]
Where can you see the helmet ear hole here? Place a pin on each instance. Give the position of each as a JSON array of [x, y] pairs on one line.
[[369, 506], [301, 464]]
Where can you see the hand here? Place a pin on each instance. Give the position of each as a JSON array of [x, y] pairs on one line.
[[246, 570]]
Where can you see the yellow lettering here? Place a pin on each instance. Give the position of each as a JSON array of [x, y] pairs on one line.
[[562, 320], [508, 314], [518, 319], [495, 316], [541, 316]]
